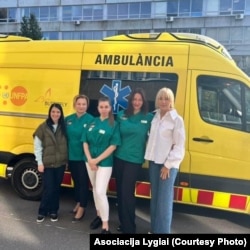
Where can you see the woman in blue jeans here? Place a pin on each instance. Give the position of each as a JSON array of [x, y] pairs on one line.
[[165, 151], [51, 152]]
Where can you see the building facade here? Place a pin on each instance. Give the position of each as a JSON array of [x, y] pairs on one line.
[[227, 21]]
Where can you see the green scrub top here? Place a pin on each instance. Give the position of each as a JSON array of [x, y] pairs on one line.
[[134, 133], [99, 136], [74, 127]]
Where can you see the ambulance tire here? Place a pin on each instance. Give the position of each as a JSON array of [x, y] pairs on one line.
[[26, 180]]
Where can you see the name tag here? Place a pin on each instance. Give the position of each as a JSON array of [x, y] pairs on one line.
[[91, 127], [144, 121], [101, 131]]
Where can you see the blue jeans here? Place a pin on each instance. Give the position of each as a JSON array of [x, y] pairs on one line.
[[162, 195], [52, 179]]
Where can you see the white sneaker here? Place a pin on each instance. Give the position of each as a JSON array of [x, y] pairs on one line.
[[53, 217], [40, 218]]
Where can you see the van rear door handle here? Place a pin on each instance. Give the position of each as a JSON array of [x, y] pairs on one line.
[[202, 139]]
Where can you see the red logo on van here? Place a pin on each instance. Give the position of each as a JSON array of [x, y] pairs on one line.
[[19, 95]]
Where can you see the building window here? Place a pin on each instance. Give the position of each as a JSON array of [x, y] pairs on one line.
[[196, 8], [70, 13], [66, 13], [189, 30], [122, 11], [97, 35], [184, 7], [160, 9], [87, 35], [172, 8], [111, 33], [67, 35], [247, 9], [76, 12], [134, 10], [92, 35], [87, 12], [52, 35], [71, 35], [229, 7], [48, 14], [112, 11], [145, 10], [42, 14], [12, 15], [3, 14], [129, 11], [211, 8], [7, 15], [238, 6], [53, 15], [225, 7], [30, 10], [82, 35], [97, 12], [93, 12]]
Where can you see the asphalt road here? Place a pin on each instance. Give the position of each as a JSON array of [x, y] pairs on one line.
[[19, 229]]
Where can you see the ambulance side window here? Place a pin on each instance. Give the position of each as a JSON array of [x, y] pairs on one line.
[[224, 102], [117, 85]]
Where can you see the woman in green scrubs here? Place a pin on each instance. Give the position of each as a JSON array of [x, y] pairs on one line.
[[134, 123], [99, 142]]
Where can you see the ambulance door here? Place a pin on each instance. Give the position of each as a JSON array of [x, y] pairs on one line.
[[219, 140]]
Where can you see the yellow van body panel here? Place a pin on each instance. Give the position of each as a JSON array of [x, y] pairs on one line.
[[26, 99], [29, 92], [3, 171], [42, 55]]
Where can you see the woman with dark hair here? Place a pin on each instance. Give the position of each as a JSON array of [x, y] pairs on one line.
[[134, 123], [50, 149], [100, 140]]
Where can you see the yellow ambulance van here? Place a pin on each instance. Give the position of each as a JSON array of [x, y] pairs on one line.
[[212, 95]]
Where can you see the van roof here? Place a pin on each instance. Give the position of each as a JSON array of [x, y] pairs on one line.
[[172, 37]]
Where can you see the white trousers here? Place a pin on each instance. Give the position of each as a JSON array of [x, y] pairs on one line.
[[99, 180]]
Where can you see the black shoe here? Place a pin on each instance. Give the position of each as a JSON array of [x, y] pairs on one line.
[[119, 228], [40, 218], [78, 219], [53, 217], [97, 222], [105, 231]]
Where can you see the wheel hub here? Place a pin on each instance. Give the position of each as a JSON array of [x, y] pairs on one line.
[[30, 179]]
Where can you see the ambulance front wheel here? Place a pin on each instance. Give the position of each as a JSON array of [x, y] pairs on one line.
[[26, 180]]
